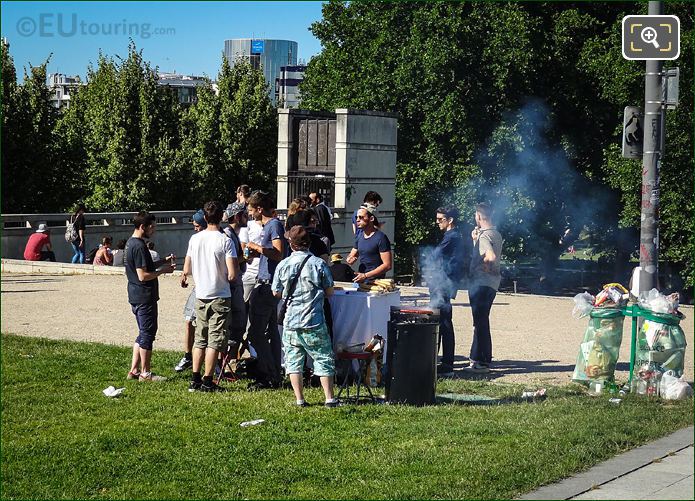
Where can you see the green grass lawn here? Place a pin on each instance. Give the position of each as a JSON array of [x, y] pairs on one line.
[[62, 438]]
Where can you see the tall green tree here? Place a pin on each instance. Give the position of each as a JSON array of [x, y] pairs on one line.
[[199, 156], [11, 146], [495, 100], [621, 83], [229, 138], [30, 181], [121, 134], [248, 126]]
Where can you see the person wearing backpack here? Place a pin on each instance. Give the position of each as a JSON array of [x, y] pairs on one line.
[[74, 234]]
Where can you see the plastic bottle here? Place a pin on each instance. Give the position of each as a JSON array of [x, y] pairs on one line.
[[596, 387], [653, 384]]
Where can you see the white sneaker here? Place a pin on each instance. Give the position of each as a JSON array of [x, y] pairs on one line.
[[477, 368], [183, 364]]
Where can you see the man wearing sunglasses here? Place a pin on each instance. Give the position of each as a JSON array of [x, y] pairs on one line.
[[448, 265], [372, 246]]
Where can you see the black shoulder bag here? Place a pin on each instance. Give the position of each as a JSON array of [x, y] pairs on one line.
[[290, 290]]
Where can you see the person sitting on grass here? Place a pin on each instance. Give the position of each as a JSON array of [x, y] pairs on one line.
[[103, 257], [304, 328]]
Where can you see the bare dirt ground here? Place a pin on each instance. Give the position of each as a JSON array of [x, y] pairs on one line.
[[535, 338]]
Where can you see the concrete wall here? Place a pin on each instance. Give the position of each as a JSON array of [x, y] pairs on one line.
[[365, 157], [171, 236]]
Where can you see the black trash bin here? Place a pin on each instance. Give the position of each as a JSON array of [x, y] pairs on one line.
[[411, 356]]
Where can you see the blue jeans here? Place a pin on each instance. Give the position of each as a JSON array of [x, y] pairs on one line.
[[442, 300], [79, 254], [481, 299]]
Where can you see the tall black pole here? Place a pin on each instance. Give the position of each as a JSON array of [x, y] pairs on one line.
[[651, 161]]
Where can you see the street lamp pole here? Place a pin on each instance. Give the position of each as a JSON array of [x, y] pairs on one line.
[[654, 131]]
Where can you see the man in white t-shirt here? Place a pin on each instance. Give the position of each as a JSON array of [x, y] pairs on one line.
[[212, 260]]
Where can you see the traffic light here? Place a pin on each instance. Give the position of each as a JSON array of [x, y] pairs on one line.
[[633, 132]]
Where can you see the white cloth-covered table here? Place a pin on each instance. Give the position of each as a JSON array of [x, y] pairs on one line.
[[357, 316]]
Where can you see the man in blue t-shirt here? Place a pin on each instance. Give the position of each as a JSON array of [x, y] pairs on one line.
[[143, 293], [263, 329], [372, 246]]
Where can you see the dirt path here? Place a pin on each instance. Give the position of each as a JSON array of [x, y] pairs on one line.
[[535, 338]]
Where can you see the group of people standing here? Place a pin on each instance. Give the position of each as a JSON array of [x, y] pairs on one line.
[[242, 268], [243, 261], [476, 260]]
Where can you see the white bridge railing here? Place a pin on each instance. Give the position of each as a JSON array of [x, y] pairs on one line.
[[172, 234]]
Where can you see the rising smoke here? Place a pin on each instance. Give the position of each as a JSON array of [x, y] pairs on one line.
[[540, 199]]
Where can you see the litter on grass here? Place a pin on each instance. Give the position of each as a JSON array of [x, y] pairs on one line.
[[252, 423], [113, 392], [531, 395]]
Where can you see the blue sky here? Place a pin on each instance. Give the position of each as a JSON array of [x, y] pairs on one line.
[[190, 37]]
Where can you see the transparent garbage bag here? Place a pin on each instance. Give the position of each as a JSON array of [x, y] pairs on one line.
[[599, 350], [661, 344], [673, 388]]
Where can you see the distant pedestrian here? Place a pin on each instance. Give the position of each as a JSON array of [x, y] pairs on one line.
[[304, 328], [372, 246], [263, 329], [237, 219], [319, 244], [243, 193], [186, 362], [78, 244], [251, 234], [296, 206], [212, 260], [323, 215], [372, 200], [37, 241], [153, 252], [143, 294], [485, 280]]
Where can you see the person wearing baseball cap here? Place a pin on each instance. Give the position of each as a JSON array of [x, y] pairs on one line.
[[33, 250], [198, 220]]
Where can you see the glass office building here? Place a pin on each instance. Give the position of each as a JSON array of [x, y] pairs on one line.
[[268, 55]]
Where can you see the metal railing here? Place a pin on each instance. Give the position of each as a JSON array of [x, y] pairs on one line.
[[303, 184]]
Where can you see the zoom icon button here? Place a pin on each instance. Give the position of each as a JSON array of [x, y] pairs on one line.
[[651, 37]]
